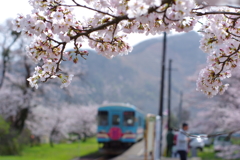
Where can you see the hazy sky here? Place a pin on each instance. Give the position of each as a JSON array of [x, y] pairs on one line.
[[10, 8]]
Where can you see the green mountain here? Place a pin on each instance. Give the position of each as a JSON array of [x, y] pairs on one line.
[[135, 78]]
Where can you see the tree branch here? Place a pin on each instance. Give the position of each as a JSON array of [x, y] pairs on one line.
[[208, 135], [216, 12], [83, 6]]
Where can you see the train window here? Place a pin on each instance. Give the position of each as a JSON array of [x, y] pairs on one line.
[[102, 118], [129, 118], [115, 120]]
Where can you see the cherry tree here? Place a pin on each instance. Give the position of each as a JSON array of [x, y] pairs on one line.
[[8, 40], [230, 152], [82, 120], [58, 123], [47, 122], [55, 25], [222, 116], [220, 113], [215, 120], [16, 95]]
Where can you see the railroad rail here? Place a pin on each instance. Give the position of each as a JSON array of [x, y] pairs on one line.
[[96, 157]]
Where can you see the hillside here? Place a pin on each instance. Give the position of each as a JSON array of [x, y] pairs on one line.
[[135, 78]]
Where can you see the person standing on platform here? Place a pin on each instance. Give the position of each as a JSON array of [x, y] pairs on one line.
[[170, 142], [182, 142]]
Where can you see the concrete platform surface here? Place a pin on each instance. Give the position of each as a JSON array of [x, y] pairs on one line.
[[142, 158], [136, 152], [194, 158]]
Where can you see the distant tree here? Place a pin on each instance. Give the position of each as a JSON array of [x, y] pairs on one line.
[[15, 93], [222, 112], [58, 123], [8, 40], [83, 121]]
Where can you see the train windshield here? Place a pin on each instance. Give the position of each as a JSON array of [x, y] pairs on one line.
[[102, 118], [129, 118], [115, 120]]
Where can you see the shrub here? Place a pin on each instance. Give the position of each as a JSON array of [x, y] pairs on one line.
[[9, 143]]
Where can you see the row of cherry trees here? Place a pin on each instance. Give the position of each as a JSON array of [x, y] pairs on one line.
[[59, 123]]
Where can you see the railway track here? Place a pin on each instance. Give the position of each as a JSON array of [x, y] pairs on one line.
[[96, 157], [104, 154]]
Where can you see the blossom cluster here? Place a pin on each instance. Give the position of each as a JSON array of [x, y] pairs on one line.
[[53, 25], [50, 32], [220, 42]]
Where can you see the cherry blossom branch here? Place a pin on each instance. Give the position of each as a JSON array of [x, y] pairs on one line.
[[216, 12], [83, 6], [224, 62], [116, 20], [105, 33], [101, 27], [203, 6], [113, 33], [165, 16], [236, 39], [208, 135], [61, 56], [59, 43], [79, 52]]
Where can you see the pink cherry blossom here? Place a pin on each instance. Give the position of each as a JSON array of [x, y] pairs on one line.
[[53, 26]]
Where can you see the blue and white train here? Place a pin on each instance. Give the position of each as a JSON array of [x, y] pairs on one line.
[[119, 125]]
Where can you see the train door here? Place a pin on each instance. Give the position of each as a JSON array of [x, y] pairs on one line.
[[115, 132], [102, 118], [140, 127], [129, 119], [129, 126]]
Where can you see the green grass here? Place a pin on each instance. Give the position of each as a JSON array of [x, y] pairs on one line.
[[208, 154], [58, 152]]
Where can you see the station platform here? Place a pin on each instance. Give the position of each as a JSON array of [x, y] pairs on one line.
[[136, 152]]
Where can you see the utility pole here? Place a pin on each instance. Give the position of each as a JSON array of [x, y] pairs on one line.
[[169, 93], [180, 110], [162, 89]]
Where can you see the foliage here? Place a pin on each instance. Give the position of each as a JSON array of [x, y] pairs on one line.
[[9, 143], [208, 154], [4, 127], [65, 151], [9, 146]]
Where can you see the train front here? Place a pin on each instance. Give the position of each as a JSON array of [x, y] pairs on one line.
[[119, 126]]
